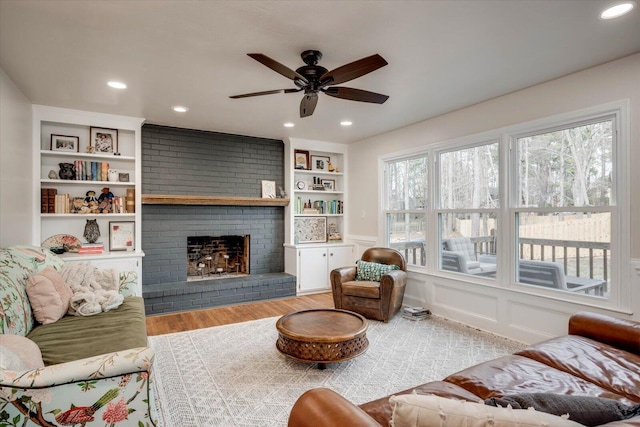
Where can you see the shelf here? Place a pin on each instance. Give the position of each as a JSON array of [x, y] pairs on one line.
[[105, 255], [318, 214], [49, 153], [156, 199], [86, 182], [318, 192], [308, 172], [97, 215]]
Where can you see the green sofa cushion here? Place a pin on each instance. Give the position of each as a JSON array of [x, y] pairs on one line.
[[72, 338]]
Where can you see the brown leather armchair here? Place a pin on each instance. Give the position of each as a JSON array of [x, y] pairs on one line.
[[374, 300]]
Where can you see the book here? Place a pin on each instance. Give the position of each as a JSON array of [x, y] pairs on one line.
[[416, 313], [91, 248]]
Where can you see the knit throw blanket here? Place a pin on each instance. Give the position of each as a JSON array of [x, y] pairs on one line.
[[94, 290]]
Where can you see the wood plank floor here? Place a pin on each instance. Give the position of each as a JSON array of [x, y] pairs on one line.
[[185, 321]]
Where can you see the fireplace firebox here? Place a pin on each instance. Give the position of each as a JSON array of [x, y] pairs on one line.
[[217, 256]]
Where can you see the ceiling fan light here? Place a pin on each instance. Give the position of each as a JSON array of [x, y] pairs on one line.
[[180, 109], [117, 85], [617, 10], [346, 123]]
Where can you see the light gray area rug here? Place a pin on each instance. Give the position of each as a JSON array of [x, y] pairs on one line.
[[233, 375]]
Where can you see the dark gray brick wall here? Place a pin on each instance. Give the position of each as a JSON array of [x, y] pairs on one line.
[[190, 162]]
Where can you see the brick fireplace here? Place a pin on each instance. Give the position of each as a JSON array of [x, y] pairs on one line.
[[198, 163]]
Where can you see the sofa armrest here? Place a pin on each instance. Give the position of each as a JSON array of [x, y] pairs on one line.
[[324, 407], [619, 333], [109, 387]]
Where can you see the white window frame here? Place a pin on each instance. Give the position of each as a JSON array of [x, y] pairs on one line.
[[620, 290]]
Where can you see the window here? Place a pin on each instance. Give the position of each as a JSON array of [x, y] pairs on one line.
[[406, 189], [468, 209], [539, 207], [564, 207]]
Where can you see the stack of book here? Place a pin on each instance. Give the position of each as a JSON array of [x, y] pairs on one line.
[[91, 249], [48, 200], [415, 313]]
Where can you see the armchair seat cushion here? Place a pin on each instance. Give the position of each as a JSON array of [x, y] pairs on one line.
[[362, 289], [72, 338]]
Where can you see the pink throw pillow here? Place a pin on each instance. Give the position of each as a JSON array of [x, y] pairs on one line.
[[49, 295], [26, 352]]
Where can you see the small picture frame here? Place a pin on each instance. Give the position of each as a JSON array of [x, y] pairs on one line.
[[268, 189], [123, 177], [122, 236], [301, 159], [103, 140], [320, 163], [312, 229], [329, 184], [65, 143]]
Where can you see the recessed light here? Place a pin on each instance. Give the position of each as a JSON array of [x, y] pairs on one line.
[[117, 85], [289, 125], [346, 123], [180, 109], [617, 10]]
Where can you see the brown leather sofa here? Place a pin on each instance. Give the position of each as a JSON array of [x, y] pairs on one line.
[[599, 357]]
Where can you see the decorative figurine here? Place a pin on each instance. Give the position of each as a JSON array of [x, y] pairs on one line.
[[91, 230], [53, 174], [67, 171], [105, 200]]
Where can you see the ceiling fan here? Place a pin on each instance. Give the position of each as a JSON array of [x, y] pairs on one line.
[[312, 78]]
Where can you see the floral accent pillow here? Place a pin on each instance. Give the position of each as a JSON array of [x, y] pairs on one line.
[[372, 271]]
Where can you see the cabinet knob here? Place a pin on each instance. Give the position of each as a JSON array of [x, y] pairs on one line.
[[324, 254], [331, 254]]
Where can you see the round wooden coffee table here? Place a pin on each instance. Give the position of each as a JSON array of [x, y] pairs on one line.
[[322, 336]]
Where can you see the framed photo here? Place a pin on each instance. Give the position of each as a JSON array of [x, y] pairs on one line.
[[311, 229], [328, 184], [268, 189], [122, 236], [301, 159], [104, 140], [320, 163], [65, 143]]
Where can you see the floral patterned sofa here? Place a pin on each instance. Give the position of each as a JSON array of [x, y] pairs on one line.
[[102, 388]]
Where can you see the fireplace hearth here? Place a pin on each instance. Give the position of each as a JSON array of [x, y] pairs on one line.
[[210, 257]]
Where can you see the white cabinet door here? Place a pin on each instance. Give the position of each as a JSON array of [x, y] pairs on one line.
[[313, 273], [340, 256]]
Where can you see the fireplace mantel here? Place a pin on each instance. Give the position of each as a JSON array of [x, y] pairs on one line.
[[167, 199]]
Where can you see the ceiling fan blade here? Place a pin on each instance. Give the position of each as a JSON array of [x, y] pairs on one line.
[[308, 104], [353, 70], [266, 92], [355, 94], [278, 67]]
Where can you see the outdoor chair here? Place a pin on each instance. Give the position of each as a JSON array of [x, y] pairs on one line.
[[551, 275], [459, 255], [377, 299]]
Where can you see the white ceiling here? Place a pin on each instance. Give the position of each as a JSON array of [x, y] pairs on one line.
[[442, 55]]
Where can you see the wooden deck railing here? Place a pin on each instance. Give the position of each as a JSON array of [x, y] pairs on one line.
[[568, 252]]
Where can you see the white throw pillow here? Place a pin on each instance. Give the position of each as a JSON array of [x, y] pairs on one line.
[[413, 410]]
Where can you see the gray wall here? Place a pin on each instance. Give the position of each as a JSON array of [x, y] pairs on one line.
[[190, 162]]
